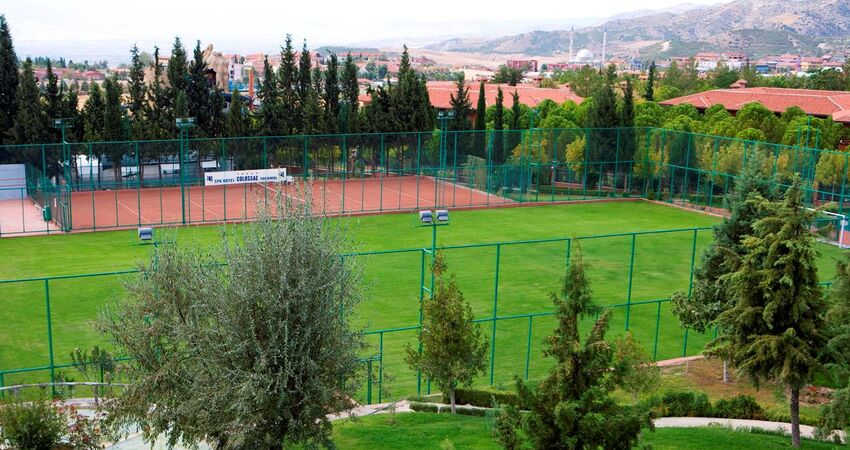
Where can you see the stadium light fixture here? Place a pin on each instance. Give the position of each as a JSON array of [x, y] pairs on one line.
[[426, 217]]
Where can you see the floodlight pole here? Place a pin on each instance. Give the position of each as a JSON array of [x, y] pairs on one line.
[[183, 126], [62, 123]]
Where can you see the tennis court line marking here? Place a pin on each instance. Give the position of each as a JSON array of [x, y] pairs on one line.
[[137, 213]]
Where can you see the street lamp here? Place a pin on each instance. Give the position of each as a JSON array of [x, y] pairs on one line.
[[184, 124], [433, 219]]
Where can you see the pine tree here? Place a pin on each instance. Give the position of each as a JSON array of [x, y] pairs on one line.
[[313, 114], [9, 80], [178, 74], [290, 112], [514, 135], [480, 145], [498, 153], [331, 97], [454, 350], [198, 94], [351, 94], [775, 330], [158, 110], [571, 407], [649, 93], [93, 113], [71, 111], [627, 141], [237, 117], [461, 106], [602, 119], [218, 120], [31, 124], [269, 102], [305, 87], [113, 125], [136, 83], [711, 294]]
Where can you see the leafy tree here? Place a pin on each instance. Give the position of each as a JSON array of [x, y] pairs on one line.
[[775, 329], [602, 118], [506, 75], [836, 414], [480, 144], [649, 93], [9, 79], [641, 374], [571, 407], [237, 118], [31, 125], [454, 350], [253, 353], [95, 366]]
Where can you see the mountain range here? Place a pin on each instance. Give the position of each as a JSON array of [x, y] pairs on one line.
[[755, 27]]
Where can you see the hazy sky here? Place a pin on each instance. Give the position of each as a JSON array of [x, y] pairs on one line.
[[108, 28]]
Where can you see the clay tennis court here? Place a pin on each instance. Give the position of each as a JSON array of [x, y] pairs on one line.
[[213, 204]]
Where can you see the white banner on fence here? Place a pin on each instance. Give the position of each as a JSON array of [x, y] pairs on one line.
[[246, 176]]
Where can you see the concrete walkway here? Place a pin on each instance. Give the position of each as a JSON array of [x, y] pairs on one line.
[[806, 431]]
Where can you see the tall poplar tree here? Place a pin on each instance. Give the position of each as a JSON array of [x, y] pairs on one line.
[[9, 80], [93, 114], [628, 140], [178, 74], [775, 330], [514, 134], [52, 101], [305, 87], [113, 125], [602, 119], [480, 143], [269, 102], [31, 126], [159, 123]]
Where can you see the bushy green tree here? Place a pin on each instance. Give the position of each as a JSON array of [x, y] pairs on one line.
[[479, 145], [93, 111], [331, 94], [498, 152], [454, 350], [198, 95], [31, 122], [178, 73], [252, 353], [775, 329], [571, 407], [641, 375], [287, 74], [649, 92], [836, 414]]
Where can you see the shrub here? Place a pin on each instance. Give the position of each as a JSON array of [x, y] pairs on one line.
[[739, 407], [650, 195], [686, 404], [484, 397], [31, 425]]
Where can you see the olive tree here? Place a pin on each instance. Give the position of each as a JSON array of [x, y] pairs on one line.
[[245, 344]]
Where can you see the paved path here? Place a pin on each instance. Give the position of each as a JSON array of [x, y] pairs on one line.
[[806, 431]]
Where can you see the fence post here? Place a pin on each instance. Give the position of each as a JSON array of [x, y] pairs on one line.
[[49, 335], [657, 329], [381, 366], [369, 382], [419, 330], [495, 309], [528, 347], [631, 276]]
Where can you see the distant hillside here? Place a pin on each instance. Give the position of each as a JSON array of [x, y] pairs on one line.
[[756, 27]]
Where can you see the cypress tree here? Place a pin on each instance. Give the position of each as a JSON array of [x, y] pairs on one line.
[[461, 106], [269, 99], [31, 124], [627, 122], [480, 145], [52, 99], [498, 156], [331, 98], [198, 94], [602, 118], [237, 118], [113, 125], [775, 330], [8, 81], [217, 118], [159, 123], [514, 135], [649, 92], [290, 115], [350, 93], [93, 113], [71, 110]]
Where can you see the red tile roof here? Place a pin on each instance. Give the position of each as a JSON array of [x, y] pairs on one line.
[[440, 93], [835, 104]]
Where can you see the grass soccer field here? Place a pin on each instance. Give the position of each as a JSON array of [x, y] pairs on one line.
[[527, 274]]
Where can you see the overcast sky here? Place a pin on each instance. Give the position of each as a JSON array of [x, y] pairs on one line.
[[105, 29]]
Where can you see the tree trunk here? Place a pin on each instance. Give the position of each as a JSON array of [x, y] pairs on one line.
[[452, 397], [795, 416], [725, 371]]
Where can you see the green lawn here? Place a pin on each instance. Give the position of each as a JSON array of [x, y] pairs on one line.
[[429, 431], [528, 273]]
